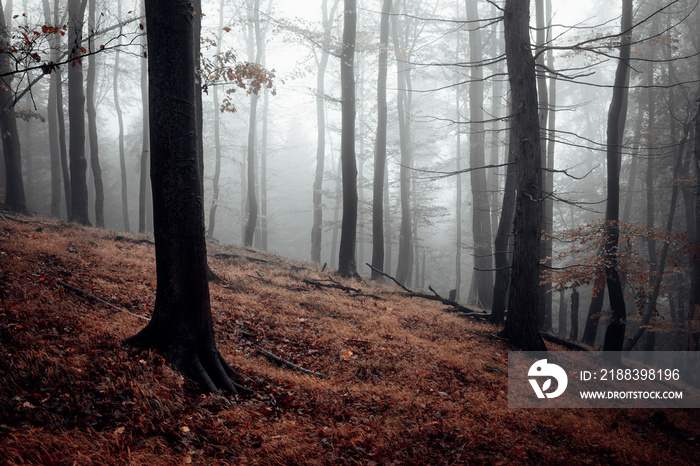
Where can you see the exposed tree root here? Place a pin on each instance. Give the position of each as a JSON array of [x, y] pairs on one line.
[[565, 343]]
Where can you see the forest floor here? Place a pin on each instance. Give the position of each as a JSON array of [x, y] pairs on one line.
[[405, 382]]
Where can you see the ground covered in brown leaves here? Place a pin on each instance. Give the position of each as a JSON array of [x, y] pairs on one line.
[[405, 382]]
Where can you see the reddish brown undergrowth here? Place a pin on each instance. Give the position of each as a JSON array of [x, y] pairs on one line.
[[406, 383]]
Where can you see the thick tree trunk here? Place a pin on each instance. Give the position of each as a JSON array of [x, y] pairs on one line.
[[458, 196], [562, 313], [181, 326], [615, 332], [347, 266], [76, 113], [14, 184], [694, 307], [92, 124], [521, 325], [380, 147]]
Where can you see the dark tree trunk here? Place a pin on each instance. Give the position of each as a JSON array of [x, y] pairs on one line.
[[380, 148], [574, 314], [347, 266], [615, 332], [562, 313], [76, 113], [14, 185], [521, 324], [503, 238], [181, 326], [694, 307], [590, 330], [92, 124], [458, 196]]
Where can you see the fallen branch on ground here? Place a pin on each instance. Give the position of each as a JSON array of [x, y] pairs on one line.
[[456, 308], [81, 292], [132, 240], [221, 255], [565, 343], [335, 284], [290, 365], [268, 282]]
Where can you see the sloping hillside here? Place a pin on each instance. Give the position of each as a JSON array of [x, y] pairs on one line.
[[404, 382]]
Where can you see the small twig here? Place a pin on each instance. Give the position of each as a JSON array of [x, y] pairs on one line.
[[290, 365], [85, 294]]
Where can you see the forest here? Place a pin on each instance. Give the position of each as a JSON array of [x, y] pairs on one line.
[[370, 200]]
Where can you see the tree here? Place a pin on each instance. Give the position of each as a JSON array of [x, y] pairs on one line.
[[617, 114], [14, 194], [521, 324], [76, 114], [92, 121], [347, 266], [481, 211], [120, 122], [404, 264], [694, 311], [217, 136], [181, 326], [144, 191], [321, 64], [380, 148], [254, 53]]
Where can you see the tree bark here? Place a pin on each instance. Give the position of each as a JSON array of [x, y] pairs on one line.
[[347, 266], [76, 114], [52, 117], [144, 191], [380, 147], [574, 315], [521, 325], [14, 184], [181, 326], [617, 113], [694, 307], [545, 288], [92, 123], [503, 237]]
